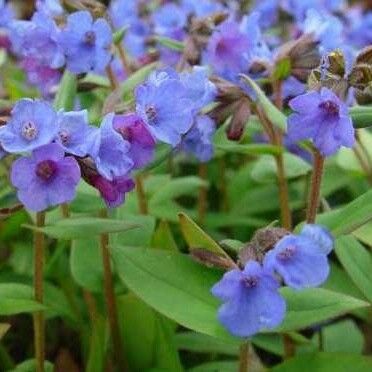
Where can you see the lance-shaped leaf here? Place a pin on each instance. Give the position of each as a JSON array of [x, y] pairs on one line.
[[65, 97], [362, 116]]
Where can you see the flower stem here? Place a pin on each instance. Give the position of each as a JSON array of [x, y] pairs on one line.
[[111, 301], [39, 322], [289, 347], [124, 59], [244, 358], [202, 197], [314, 193], [111, 76], [141, 195]]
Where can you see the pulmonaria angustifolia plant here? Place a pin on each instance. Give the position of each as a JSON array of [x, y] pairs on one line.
[[188, 173]]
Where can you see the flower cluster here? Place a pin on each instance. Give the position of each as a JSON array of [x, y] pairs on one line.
[[252, 301], [63, 145]]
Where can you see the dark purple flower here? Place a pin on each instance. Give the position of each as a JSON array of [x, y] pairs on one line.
[[133, 130], [322, 117], [163, 103], [113, 192], [251, 299], [31, 125], [301, 260], [75, 135], [37, 39], [198, 141], [46, 178], [86, 43], [112, 153]]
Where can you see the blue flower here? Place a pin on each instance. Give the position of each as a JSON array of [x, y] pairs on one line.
[[324, 118], [268, 11], [112, 156], [86, 43], [123, 12], [360, 29], [200, 89], [164, 105], [45, 179], [251, 300], [199, 140], [75, 135], [327, 29], [31, 125], [52, 8], [37, 39], [301, 260], [169, 17], [6, 14]]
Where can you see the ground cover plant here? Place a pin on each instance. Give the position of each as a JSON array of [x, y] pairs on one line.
[[185, 185]]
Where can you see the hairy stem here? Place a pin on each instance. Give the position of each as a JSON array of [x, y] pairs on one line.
[[202, 197], [39, 322], [244, 359], [141, 195], [111, 301], [111, 76], [314, 193]]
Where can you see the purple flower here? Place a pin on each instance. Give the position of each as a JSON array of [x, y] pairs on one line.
[[164, 105], [43, 77], [46, 178], [37, 39], [301, 260], [86, 43], [133, 130], [113, 192], [3, 153], [268, 11], [112, 155], [360, 30], [31, 125], [6, 14], [199, 140], [201, 8], [251, 300], [75, 135], [200, 89], [226, 49], [123, 12], [324, 118]]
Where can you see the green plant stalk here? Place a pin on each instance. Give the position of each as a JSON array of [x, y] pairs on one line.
[[111, 76], [202, 196], [141, 195], [39, 322], [111, 302], [316, 182]]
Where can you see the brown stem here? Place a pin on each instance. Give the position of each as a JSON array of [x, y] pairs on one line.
[[141, 195], [111, 301], [111, 76], [65, 210], [124, 59], [91, 304], [289, 347], [244, 357], [314, 193], [202, 197], [276, 139], [278, 93], [39, 322]]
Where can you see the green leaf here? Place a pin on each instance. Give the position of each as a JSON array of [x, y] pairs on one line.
[[101, 81], [314, 305], [163, 238], [136, 78], [118, 35], [357, 262], [349, 218], [82, 227], [30, 366], [362, 116], [282, 69], [364, 234], [176, 188], [326, 362], [265, 169], [86, 264], [65, 97], [172, 284], [272, 112], [334, 339], [4, 327], [216, 367], [249, 149], [17, 298], [170, 43], [196, 237]]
